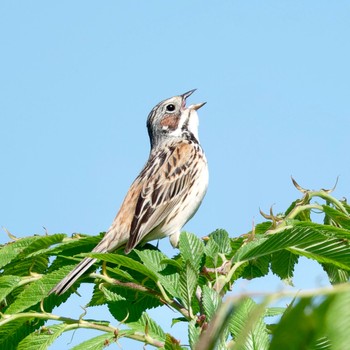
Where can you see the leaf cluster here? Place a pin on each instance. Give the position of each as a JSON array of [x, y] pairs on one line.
[[195, 283]]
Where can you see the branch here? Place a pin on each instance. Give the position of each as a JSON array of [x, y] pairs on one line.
[[131, 285], [75, 324]]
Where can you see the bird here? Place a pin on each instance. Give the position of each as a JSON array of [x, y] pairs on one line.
[[167, 192]]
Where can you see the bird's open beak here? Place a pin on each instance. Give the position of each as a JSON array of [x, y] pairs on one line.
[[194, 107]]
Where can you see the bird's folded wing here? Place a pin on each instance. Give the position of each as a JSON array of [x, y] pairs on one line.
[[164, 181]]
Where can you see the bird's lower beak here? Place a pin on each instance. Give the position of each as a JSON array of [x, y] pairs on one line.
[[196, 106]]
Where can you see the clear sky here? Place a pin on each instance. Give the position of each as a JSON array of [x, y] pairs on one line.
[[78, 79]]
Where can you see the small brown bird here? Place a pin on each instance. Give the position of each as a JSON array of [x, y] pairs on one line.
[[167, 192]]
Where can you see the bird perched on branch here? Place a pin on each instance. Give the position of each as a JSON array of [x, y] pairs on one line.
[[168, 190]]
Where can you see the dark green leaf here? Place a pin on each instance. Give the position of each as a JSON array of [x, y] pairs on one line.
[[282, 264], [337, 216], [319, 242], [37, 291], [167, 274], [256, 268], [13, 332], [126, 262], [128, 304], [307, 325], [7, 284]]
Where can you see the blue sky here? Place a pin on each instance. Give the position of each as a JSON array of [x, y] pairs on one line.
[[78, 79]]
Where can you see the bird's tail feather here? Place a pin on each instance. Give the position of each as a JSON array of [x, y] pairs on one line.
[[68, 281]]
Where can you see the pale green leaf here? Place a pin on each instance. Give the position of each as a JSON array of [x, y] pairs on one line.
[[222, 239], [216, 331], [193, 333], [146, 325], [96, 343], [247, 324], [192, 249], [41, 339], [188, 284], [274, 311], [210, 301], [335, 274]]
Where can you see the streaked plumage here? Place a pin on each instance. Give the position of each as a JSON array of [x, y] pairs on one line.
[[167, 192]]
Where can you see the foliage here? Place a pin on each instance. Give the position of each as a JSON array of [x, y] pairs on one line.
[[196, 284]]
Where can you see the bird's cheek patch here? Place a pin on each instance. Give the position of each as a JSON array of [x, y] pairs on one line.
[[170, 121]]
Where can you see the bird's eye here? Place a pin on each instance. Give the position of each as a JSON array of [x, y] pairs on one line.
[[170, 108]]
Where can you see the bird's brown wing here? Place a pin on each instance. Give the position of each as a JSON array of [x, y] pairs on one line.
[[164, 181]]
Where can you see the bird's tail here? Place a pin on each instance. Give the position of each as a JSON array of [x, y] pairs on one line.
[[67, 282]]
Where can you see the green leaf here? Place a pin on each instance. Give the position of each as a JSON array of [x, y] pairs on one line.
[[211, 249], [41, 339], [337, 216], [12, 250], [25, 266], [247, 323], [216, 331], [322, 243], [211, 301], [335, 274], [282, 264], [171, 343], [7, 284], [13, 332], [337, 318], [98, 297], [97, 343], [222, 240], [126, 262], [37, 290], [76, 245], [274, 311], [262, 227], [188, 284], [146, 325], [193, 333], [255, 268], [127, 305], [166, 273], [192, 249], [307, 323]]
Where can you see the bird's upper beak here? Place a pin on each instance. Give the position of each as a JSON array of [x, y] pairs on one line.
[[194, 107]]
